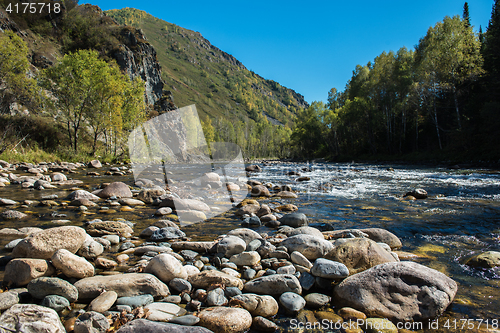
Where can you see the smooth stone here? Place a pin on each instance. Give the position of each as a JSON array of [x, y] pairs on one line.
[[253, 245], [292, 302], [131, 202], [43, 286], [329, 269], [161, 311], [222, 319], [58, 303], [199, 247], [231, 245], [206, 278], [257, 305], [82, 194], [246, 234], [187, 320], [360, 254], [150, 194], [100, 228], [487, 259], [146, 233], [8, 299], [232, 291], [72, 265], [135, 301], [91, 322], [105, 263], [275, 284], [288, 269], [128, 284], [19, 272], [249, 274], [383, 236], [115, 189], [12, 215], [180, 285], [379, 325], [31, 318], [306, 280], [300, 259], [316, 300], [43, 244], [401, 291], [311, 247], [261, 324], [246, 258], [149, 326], [216, 297], [260, 191], [163, 211], [348, 313], [191, 270], [90, 248], [113, 239], [103, 302], [166, 267], [294, 220]]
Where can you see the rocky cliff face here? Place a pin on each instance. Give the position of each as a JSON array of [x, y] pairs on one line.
[[138, 59]]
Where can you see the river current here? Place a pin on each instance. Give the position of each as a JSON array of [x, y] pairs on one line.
[[460, 218]]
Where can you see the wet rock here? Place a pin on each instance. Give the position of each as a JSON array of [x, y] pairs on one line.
[[253, 168], [135, 301], [115, 189], [82, 202], [248, 210], [161, 311], [206, 278], [43, 244], [225, 320], [292, 302], [43, 286], [95, 164], [12, 215], [275, 284], [131, 202], [487, 259], [185, 204], [329, 269], [194, 246], [359, 254], [348, 313], [91, 322], [383, 236], [263, 210], [379, 325], [8, 299], [286, 194], [186, 320], [316, 300], [100, 228], [149, 195], [129, 284], [166, 267], [149, 326], [82, 195], [260, 191], [166, 234], [191, 215], [72, 265], [230, 245], [311, 247], [257, 305], [31, 318], [55, 302], [294, 220], [163, 211], [19, 272], [103, 302], [7, 202], [261, 324], [417, 193], [105, 263], [401, 291]]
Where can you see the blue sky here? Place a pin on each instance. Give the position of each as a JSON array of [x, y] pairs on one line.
[[309, 46]]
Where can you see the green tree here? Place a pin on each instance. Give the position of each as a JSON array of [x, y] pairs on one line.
[[90, 92], [465, 15], [14, 65]]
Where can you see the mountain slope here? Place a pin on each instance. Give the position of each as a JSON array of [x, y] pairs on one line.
[[195, 71]]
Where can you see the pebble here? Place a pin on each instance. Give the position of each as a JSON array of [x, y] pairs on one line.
[[55, 302], [316, 300], [216, 297], [103, 302], [135, 301], [292, 302], [187, 320]]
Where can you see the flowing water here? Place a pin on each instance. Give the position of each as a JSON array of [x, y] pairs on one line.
[[461, 217]]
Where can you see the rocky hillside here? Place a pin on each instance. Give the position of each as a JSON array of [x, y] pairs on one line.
[[195, 71]]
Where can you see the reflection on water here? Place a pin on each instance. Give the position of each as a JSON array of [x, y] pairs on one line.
[[460, 218]]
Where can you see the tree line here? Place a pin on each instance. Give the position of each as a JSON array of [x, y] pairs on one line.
[[442, 96]]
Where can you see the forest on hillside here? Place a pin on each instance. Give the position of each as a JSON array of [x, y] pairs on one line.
[[439, 101]]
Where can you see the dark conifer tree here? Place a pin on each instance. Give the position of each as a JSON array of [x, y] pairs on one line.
[[465, 15]]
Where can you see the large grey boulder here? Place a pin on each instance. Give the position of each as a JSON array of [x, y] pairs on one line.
[[399, 291], [294, 220], [116, 189], [275, 284], [30, 318], [43, 244], [166, 267], [43, 286], [129, 284]]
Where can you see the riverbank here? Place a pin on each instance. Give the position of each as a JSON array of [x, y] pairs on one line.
[[277, 247]]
